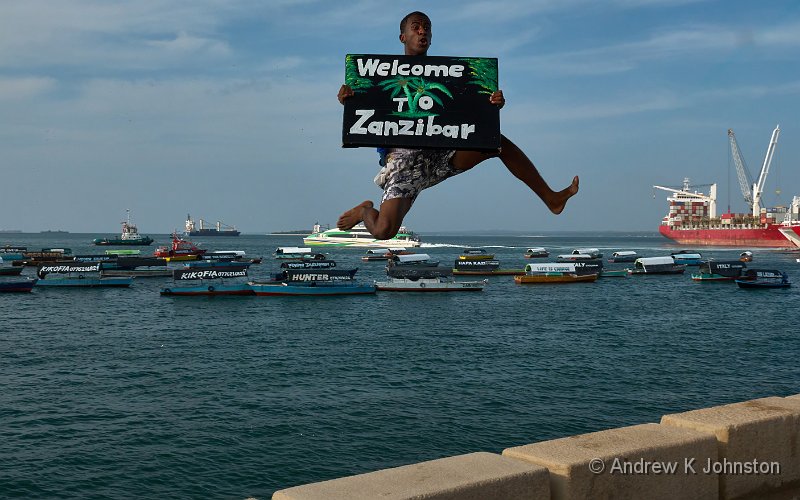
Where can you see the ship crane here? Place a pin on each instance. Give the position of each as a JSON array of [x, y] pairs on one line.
[[752, 191], [686, 195], [758, 187], [745, 180]]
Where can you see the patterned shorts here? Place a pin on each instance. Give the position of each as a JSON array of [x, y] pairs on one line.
[[409, 171]]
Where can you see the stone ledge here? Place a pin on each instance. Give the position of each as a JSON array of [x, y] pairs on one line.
[[765, 430], [473, 476], [569, 460]]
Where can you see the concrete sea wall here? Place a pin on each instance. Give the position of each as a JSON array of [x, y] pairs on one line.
[[746, 450]]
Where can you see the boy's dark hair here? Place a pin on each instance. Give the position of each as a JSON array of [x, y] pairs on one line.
[[415, 13]]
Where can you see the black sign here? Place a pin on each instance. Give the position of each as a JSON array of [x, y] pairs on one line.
[[209, 273], [309, 264], [421, 102], [76, 267]]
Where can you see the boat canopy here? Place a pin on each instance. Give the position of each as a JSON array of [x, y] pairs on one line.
[[412, 257], [285, 250], [208, 273], [654, 261], [588, 251], [576, 256], [727, 268], [550, 267], [686, 256], [232, 253], [374, 251], [123, 252], [473, 251], [536, 250], [623, 253]]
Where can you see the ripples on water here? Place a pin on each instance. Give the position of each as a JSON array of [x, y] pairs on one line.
[[126, 393]]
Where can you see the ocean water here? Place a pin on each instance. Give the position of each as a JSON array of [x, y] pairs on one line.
[[124, 393]]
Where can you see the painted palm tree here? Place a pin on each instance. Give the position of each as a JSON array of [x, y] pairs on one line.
[[483, 72], [351, 76], [415, 88]]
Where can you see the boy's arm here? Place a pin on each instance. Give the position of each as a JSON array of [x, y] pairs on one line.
[[344, 92]]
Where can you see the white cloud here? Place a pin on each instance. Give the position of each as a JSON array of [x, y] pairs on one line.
[[24, 87]]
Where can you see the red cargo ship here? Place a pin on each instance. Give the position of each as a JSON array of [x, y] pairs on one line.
[[692, 218]]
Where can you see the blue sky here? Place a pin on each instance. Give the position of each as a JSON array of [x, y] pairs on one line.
[[227, 109]]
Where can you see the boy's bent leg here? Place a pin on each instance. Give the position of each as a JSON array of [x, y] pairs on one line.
[[382, 224]]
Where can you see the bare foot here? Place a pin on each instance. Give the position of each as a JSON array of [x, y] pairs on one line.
[[353, 216], [559, 200]]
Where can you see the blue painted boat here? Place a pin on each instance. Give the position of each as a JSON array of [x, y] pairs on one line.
[[687, 257], [78, 274], [17, 286], [214, 288], [313, 282]]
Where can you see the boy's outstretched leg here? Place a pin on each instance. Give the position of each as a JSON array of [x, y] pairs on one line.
[[523, 169], [383, 224]]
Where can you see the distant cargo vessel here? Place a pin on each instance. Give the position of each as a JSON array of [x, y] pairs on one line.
[[692, 218], [219, 230]]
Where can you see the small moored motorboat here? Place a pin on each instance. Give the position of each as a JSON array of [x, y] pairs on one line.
[[535, 253], [475, 254], [763, 278], [624, 256], [180, 250], [17, 286], [657, 265], [556, 272], [204, 288], [687, 257], [78, 274], [720, 270]]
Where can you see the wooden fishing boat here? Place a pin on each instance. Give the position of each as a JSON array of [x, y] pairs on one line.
[[310, 289], [475, 254], [429, 285], [556, 272], [213, 289], [78, 274], [138, 267], [554, 278], [723, 270], [17, 286], [299, 282], [623, 256], [657, 265], [535, 253]]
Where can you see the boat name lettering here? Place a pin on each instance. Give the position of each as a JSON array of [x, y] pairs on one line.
[[70, 268], [311, 277], [212, 273]]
